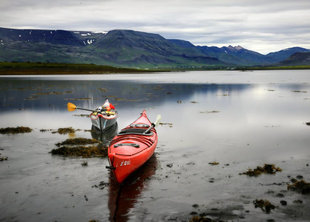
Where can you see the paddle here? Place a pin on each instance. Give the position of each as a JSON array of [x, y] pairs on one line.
[[153, 124], [71, 107]]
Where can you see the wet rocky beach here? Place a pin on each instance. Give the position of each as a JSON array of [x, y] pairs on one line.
[[233, 146]]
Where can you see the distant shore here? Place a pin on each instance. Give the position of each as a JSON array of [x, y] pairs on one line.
[[28, 68]]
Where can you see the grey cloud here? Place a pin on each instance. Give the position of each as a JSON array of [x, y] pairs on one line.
[[255, 24]]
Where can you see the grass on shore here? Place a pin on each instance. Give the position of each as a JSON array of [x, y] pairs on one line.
[[30, 68]]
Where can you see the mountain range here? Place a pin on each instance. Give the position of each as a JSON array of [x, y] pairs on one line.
[[133, 49]]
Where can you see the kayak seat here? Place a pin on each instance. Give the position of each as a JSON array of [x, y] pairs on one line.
[[138, 131]]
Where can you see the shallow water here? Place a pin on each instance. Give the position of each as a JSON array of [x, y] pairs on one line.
[[239, 119]]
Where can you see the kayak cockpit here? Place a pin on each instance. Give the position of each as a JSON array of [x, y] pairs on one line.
[[136, 131]]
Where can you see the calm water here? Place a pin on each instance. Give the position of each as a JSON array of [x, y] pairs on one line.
[[239, 119]]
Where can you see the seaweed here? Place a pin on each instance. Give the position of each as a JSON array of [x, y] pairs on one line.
[[80, 147], [214, 214], [3, 158], [267, 169], [103, 89], [170, 165], [166, 124], [77, 141], [299, 91], [300, 186], [47, 93], [84, 164], [212, 111], [65, 130], [15, 130], [214, 163], [83, 151], [45, 130], [283, 202], [265, 205], [101, 185]]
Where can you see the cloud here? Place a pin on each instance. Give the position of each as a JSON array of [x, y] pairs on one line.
[[258, 25]]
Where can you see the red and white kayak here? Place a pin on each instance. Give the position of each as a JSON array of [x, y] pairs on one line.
[[132, 147], [103, 120], [104, 116]]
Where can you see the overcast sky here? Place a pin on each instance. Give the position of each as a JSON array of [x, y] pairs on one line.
[[260, 25]]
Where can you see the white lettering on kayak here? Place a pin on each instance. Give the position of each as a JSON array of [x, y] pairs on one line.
[[125, 163]]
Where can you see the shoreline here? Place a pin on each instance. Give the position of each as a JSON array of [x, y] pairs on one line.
[[27, 68]]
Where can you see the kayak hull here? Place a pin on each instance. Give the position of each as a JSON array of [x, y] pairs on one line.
[[131, 148]]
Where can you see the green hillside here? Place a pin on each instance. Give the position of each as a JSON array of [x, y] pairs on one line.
[[127, 49]]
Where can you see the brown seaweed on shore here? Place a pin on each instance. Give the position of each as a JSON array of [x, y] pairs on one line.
[[166, 124], [15, 130], [77, 141], [84, 164], [214, 163], [265, 205], [212, 111], [103, 90], [47, 93], [83, 147], [267, 169], [300, 186], [299, 91], [45, 130], [3, 158], [65, 130], [101, 185], [83, 151], [215, 214]]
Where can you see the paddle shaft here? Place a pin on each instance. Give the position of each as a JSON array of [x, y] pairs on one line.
[[153, 124], [149, 129], [85, 109]]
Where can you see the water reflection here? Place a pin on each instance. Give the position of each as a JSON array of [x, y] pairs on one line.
[[123, 197], [53, 95], [104, 136]]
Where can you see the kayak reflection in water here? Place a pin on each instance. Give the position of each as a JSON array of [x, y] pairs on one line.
[[106, 135], [123, 197]]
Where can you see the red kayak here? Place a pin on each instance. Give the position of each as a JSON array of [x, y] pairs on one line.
[[132, 147]]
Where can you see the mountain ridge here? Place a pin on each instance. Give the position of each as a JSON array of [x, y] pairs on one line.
[[126, 48]]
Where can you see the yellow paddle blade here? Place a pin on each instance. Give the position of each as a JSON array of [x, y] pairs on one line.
[[71, 107]]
